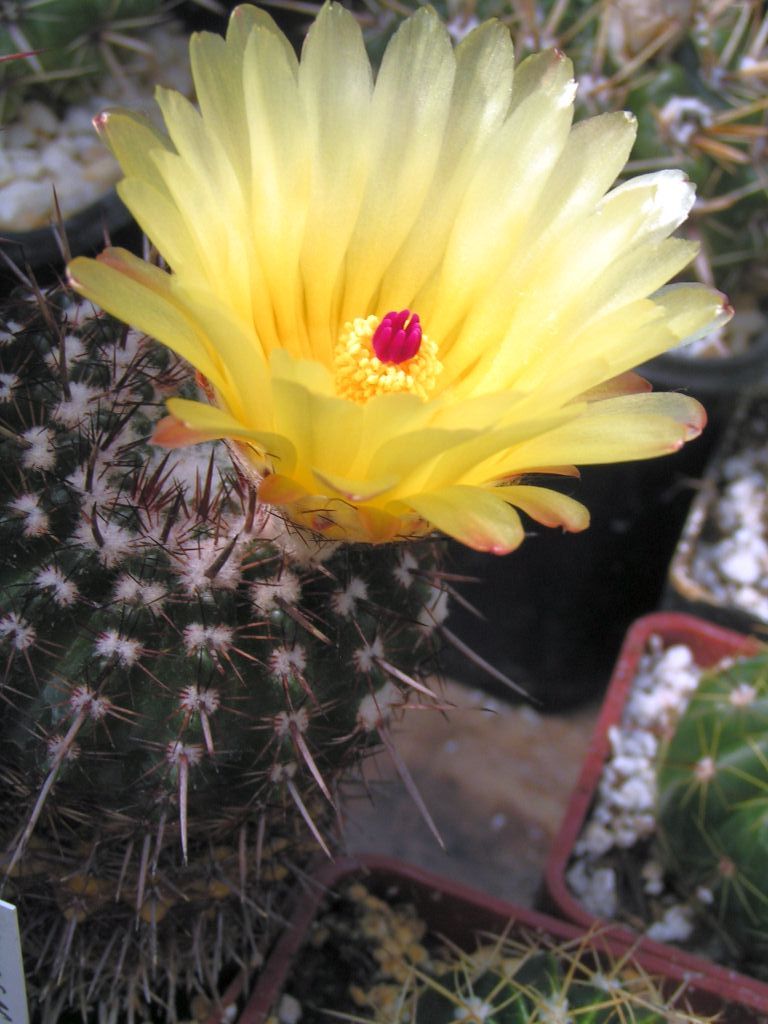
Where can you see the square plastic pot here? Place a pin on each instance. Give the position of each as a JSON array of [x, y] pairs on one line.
[[458, 913], [709, 643]]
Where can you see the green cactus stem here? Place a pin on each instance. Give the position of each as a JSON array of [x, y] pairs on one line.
[[713, 803], [183, 678]]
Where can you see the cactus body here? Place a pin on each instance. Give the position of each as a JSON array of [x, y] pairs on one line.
[[183, 679], [713, 802], [537, 986]]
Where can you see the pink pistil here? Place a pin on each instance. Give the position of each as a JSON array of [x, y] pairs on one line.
[[397, 338]]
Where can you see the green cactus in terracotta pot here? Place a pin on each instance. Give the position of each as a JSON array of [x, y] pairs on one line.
[[713, 803], [184, 678]]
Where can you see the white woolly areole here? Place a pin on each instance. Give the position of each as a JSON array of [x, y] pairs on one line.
[[8, 333], [435, 611], [8, 383], [344, 602], [301, 547], [682, 116], [110, 644], [84, 700], [284, 586], [376, 708], [99, 489], [129, 590], [194, 699], [282, 772], [404, 569], [193, 565], [198, 637], [116, 542], [287, 661], [73, 411], [190, 753], [36, 522], [18, 631], [742, 696], [64, 591], [55, 745], [39, 452], [705, 769], [74, 347], [366, 657], [286, 723], [473, 1010]]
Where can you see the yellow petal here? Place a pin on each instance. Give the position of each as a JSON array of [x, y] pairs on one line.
[[550, 508], [335, 86], [355, 490], [133, 139], [413, 452], [277, 489], [156, 212], [476, 517], [137, 292], [693, 310], [511, 173], [217, 70], [408, 114], [482, 90], [279, 185], [617, 430], [213, 423]]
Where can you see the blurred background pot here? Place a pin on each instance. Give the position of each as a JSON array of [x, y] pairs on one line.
[[720, 567], [459, 914], [709, 643]]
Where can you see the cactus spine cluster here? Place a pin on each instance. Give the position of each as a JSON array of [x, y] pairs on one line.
[[183, 679], [71, 44], [713, 803], [522, 977]]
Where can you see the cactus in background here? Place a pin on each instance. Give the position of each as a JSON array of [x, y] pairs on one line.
[[713, 803], [518, 978], [184, 678], [74, 44]]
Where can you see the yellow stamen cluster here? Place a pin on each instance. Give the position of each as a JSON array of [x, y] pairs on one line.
[[361, 375]]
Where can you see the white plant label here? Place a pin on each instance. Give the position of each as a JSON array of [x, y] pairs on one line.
[[13, 995]]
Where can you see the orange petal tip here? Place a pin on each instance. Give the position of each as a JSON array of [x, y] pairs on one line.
[[171, 432], [275, 489]]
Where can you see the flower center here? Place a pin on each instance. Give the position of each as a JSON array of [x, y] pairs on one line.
[[397, 338], [377, 357]]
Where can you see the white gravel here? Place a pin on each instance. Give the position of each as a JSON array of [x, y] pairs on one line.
[[731, 558], [623, 813]]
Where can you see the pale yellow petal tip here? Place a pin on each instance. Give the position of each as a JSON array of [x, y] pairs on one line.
[[725, 310], [697, 421]]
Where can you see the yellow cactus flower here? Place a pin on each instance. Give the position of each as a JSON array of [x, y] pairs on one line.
[[407, 295]]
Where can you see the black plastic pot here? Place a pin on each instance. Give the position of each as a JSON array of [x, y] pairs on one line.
[[555, 611], [87, 232], [716, 381]]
